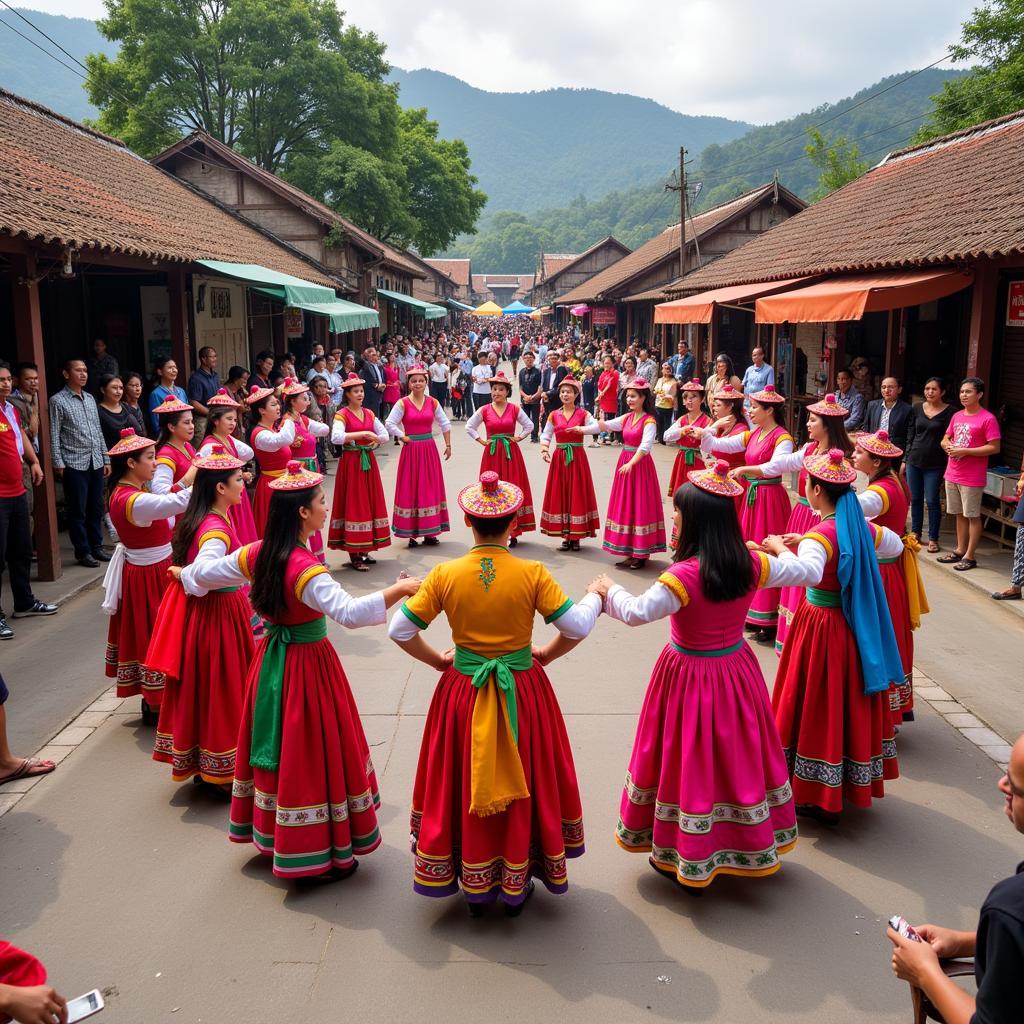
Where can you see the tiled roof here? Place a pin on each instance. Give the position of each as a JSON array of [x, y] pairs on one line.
[[609, 240], [313, 207], [664, 246], [457, 270], [65, 184], [949, 200], [552, 262]]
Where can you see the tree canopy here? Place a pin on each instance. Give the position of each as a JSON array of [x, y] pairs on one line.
[[837, 160]]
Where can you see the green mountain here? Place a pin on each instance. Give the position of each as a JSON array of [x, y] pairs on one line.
[[537, 149], [30, 73], [512, 240]]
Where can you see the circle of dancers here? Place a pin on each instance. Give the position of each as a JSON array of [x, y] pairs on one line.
[[218, 612]]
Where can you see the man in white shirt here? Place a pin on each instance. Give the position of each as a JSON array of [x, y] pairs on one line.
[[481, 375], [439, 377]]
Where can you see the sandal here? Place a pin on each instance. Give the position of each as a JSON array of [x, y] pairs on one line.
[[965, 564], [29, 768], [933, 547], [953, 556], [1003, 595], [358, 566]]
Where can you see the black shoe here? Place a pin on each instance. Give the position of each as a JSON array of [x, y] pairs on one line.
[[6, 633], [513, 542], [102, 554], [39, 608], [514, 910], [88, 561], [431, 542], [330, 875], [765, 636], [475, 909]]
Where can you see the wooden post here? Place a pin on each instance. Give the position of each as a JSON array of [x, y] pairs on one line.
[[177, 299], [28, 332], [981, 336]]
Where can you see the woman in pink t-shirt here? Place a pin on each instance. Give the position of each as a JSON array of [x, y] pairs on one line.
[[608, 393], [973, 435]]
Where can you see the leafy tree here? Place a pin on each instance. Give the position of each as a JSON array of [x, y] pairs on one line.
[[993, 38], [837, 160]]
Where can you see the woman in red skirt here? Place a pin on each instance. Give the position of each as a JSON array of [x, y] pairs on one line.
[[495, 802], [359, 513], [501, 448], [831, 699], [174, 451], [569, 509], [305, 790], [222, 425], [886, 502], [136, 575], [202, 704], [273, 441], [688, 457]]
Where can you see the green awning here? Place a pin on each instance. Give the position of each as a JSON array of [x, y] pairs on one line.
[[427, 310], [455, 304], [293, 291]]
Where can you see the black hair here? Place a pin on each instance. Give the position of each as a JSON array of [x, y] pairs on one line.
[[216, 413], [884, 467], [280, 538], [938, 380], [976, 382], [490, 527], [776, 409], [4, 365], [204, 350], [832, 491], [265, 354], [168, 420], [735, 403], [254, 416], [105, 379], [710, 532], [204, 494], [236, 373], [648, 399], [118, 468], [835, 434], [160, 364], [724, 357], [19, 368], [286, 402], [74, 359], [132, 375]]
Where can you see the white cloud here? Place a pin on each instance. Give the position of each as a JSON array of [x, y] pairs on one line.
[[739, 58]]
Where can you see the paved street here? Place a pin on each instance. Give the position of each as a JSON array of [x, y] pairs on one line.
[[119, 879]]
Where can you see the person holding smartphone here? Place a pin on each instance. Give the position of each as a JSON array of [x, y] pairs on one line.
[[24, 995]]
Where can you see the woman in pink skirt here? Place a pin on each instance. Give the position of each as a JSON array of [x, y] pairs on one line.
[[826, 430], [273, 440], [221, 426], [707, 791], [766, 507], [688, 456], [421, 508], [295, 401], [635, 524], [502, 455]]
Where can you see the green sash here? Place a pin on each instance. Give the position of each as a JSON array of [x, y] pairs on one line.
[[480, 668], [803, 501], [506, 440], [567, 447], [824, 598], [630, 448], [266, 715], [718, 652], [890, 561], [762, 482], [420, 437], [364, 454], [689, 454]]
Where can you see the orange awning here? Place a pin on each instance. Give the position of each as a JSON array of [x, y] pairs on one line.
[[849, 298], [699, 308]]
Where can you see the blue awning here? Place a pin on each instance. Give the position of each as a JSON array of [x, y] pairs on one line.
[[516, 308]]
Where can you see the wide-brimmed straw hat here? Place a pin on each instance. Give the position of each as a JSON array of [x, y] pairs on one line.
[[571, 381], [828, 406], [257, 394], [638, 384], [416, 368], [831, 467], [727, 393], [500, 378], [172, 404], [352, 380], [130, 442], [768, 396], [879, 445], [491, 497], [218, 459], [290, 386], [295, 478], [716, 480], [694, 384], [223, 400]]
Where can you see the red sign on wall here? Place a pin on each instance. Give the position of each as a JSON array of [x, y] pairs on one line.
[[603, 316], [1015, 305]]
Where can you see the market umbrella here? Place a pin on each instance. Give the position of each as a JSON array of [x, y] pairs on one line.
[[488, 309], [538, 313], [516, 308], [581, 310]]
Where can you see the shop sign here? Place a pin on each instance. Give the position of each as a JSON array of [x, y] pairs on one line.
[[1015, 305], [294, 325], [602, 316]]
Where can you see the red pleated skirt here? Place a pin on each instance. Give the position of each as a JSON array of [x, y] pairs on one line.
[[681, 468], [901, 697], [802, 519], [513, 471], [839, 742], [198, 728], [570, 504], [142, 590], [243, 520], [359, 512], [261, 503], [494, 856], [768, 514], [319, 809]]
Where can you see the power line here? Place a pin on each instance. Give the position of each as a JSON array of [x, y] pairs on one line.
[[36, 28], [39, 46]]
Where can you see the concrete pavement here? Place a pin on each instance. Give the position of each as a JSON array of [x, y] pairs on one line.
[[121, 880]]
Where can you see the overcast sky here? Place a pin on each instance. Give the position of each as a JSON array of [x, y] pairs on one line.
[[745, 59]]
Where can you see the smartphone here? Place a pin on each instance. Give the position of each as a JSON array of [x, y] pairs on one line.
[[85, 1006], [900, 925]]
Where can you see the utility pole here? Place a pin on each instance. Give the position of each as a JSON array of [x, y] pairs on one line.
[[672, 186]]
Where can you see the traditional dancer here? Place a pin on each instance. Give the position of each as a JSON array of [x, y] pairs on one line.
[[174, 451], [305, 790], [830, 700], [136, 575], [495, 801], [698, 810], [886, 503], [220, 429], [501, 448], [569, 509], [208, 638], [826, 430], [295, 400], [272, 445], [766, 507], [688, 456], [421, 508], [634, 525], [359, 522]]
